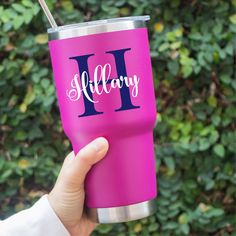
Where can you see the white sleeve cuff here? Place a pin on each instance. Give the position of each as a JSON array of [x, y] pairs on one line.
[[38, 220]]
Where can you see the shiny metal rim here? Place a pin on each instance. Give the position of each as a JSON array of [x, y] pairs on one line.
[[122, 213], [96, 27]]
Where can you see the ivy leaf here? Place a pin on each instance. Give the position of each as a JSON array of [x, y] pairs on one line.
[[219, 150], [185, 229], [41, 38], [18, 7], [18, 21], [214, 212], [233, 19], [28, 15], [204, 144], [212, 101], [225, 78], [163, 47], [187, 70], [67, 5], [173, 67], [170, 163]]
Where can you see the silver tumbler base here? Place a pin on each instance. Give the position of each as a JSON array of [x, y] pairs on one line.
[[122, 213]]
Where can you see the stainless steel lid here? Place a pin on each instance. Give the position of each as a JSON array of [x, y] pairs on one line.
[[96, 27]]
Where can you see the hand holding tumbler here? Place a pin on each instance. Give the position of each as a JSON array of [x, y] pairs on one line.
[[103, 78]]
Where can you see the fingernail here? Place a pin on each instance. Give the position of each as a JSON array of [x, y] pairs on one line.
[[99, 144]]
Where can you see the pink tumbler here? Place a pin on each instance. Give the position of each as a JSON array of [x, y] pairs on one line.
[[103, 78]]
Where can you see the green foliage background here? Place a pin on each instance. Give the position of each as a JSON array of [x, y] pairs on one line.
[[192, 47]]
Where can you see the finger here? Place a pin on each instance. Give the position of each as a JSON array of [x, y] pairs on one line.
[[65, 165], [79, 165]]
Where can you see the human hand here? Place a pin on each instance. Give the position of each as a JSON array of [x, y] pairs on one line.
[[67, 196]]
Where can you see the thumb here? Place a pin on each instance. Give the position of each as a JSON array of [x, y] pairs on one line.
[[79, 165]]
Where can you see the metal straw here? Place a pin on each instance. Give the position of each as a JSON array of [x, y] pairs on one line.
[[48, 13]]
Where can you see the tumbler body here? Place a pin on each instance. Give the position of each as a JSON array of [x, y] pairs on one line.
[[105, 88]]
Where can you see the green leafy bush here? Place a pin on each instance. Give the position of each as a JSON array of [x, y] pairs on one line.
[[193, 53]]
